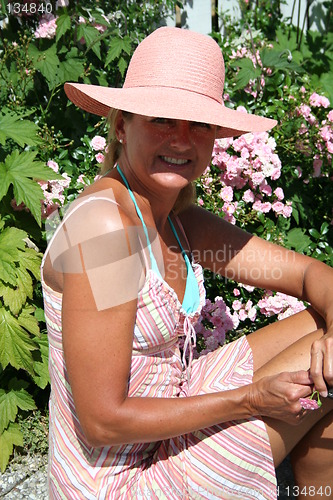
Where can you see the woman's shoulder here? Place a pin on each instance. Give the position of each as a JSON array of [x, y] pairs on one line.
[[97, 219], [104, 202]]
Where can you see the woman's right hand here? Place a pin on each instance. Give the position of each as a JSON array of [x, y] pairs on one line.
[[277, 396]]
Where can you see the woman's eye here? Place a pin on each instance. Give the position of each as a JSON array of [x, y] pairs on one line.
[[201, 125], [160, 120]]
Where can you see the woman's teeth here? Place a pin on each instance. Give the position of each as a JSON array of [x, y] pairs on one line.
[[175, 161]]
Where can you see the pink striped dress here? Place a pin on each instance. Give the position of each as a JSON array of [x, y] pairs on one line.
[[226, 461]]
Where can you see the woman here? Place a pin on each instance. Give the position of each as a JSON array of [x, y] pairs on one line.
[[132, 415]]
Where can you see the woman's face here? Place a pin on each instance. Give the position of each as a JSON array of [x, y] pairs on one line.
[[167, 152]]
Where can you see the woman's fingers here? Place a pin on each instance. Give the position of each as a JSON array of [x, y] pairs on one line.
[[321, 367]]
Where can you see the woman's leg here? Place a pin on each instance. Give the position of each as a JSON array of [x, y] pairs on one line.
[[288, 342], [269, 341], [312, 461]]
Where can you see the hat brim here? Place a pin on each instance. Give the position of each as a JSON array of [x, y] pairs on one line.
[[166, 102]]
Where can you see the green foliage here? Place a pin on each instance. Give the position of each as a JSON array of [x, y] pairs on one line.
[[23, 132], [11, 436], [21, 171], [34, 427]]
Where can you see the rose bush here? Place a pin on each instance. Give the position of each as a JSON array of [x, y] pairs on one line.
[[275, 185]]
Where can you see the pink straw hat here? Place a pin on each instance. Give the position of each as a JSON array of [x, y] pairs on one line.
[[174, 73]]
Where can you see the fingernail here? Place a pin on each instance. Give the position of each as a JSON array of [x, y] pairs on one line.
[[330, 392], [323, 394]]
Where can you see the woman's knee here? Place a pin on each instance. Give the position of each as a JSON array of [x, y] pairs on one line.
[[272, 340]]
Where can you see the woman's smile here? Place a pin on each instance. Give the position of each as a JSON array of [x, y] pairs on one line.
[[174, 161]]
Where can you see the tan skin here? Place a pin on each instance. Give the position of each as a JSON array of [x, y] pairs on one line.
[[290, 357]]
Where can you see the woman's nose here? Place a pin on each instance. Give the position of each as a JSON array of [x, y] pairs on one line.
[[182, 135]]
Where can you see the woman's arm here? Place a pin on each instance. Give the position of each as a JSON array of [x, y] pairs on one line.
[[233, 253]]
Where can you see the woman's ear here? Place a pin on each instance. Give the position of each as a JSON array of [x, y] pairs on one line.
[[119, 127]]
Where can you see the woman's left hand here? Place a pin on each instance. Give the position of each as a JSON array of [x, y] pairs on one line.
[[321, 367]]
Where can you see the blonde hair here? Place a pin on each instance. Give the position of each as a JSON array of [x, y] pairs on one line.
[[186, 196]]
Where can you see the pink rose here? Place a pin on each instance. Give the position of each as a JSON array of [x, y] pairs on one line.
[[308, 404], [304, 110], [248, 196], [47, 27], [99, 157], [236, 305], [287, 211], [54, 165], [277, 206], [98, 143], [317, 100], [227, 193], [279, 193]]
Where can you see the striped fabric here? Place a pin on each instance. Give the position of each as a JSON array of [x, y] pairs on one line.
[[231, 460]]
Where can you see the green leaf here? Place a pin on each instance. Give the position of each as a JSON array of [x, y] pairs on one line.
[[11, 241], [71, 69], [41, 368], [279, 60], [127, 45], [122, 65], [63, 25], [246, 72], [286, 41], [16, 264], [269, 57], [23, 132], [28, 320], [15, 342], [19, 170], [314, 233], [324, 228], [118, 45], [298, 240], [13, 297], [31, 260], [326, 84], [10, 402], [47, 62], [8, 410], [92, 38], [11, 437], [39, 314]]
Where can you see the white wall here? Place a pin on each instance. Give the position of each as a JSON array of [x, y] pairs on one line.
[[196, 14]]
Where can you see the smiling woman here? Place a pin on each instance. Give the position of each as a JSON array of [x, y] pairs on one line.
[[132, 413]]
